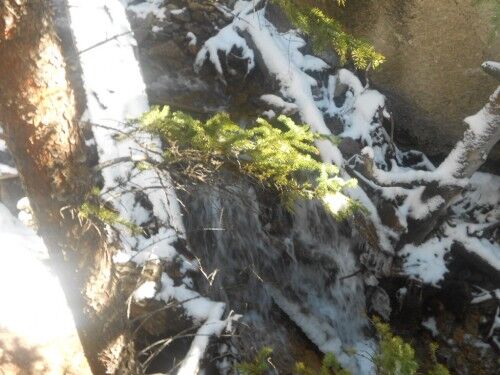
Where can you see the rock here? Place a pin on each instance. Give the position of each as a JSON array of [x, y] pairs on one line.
[[431, 84], [349, 147], [170, 27], [199, 16], [196, 6], [379, 302], [168, 50], [141, 33], [181, 15]]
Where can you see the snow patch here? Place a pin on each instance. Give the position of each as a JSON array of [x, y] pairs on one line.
[[431, 325], [426, 261], [33, 303], [142, 10]]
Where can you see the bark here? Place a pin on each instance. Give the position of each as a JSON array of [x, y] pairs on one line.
[[37, 114], [483, 133], [465, 159]]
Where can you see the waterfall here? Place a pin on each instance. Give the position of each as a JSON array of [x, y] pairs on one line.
[[264, 256]]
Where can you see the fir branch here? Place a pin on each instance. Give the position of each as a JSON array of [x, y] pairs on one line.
[[326, 32], [281, 156]]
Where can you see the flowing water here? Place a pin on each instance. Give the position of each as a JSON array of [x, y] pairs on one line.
[[265, 257]]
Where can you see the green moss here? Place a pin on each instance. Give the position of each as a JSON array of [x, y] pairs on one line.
[[283, 157], [326, 32]]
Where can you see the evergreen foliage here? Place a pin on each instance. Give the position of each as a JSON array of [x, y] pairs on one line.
[[259, 365], [329, 366], [93, 210], [326, 32], [282, 157], [438, 368], [395, 357]]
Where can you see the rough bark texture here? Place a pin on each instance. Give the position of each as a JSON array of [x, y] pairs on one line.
[[37, 114]]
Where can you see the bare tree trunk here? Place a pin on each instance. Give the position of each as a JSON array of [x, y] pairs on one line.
[[483, 133], [466, 158], [37, 114]]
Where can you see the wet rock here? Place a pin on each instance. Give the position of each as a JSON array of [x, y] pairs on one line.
[[181, 15], [197, 6], [170, 27], [379, 302], [169, 51], [199, 16], [349, 147], [334, 124]]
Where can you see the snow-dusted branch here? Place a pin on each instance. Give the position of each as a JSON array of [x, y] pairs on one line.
[[482, 134], [492, 68]]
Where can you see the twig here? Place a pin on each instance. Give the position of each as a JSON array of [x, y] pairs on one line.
[[103, 42]]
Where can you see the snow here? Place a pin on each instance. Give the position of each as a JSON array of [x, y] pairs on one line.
[[482, 125], [178, 12], [111, 102], [430, 324], [224, 41], [142, 10], [313, 64], [348, 78], [33, 303], [492, 65], [270, 114], [283, 60], [213, 326], [485, 295], [147, 290], [7, 171], [359, 121], [487, 251], [192, 38], [278, 103], [368, 152], [426, 261], [360, 114], [25, 214], [476, 210]]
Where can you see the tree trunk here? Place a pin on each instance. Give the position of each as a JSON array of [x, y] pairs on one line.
[[37, 114]]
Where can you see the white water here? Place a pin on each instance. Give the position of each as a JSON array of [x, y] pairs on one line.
[[265, 255]]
